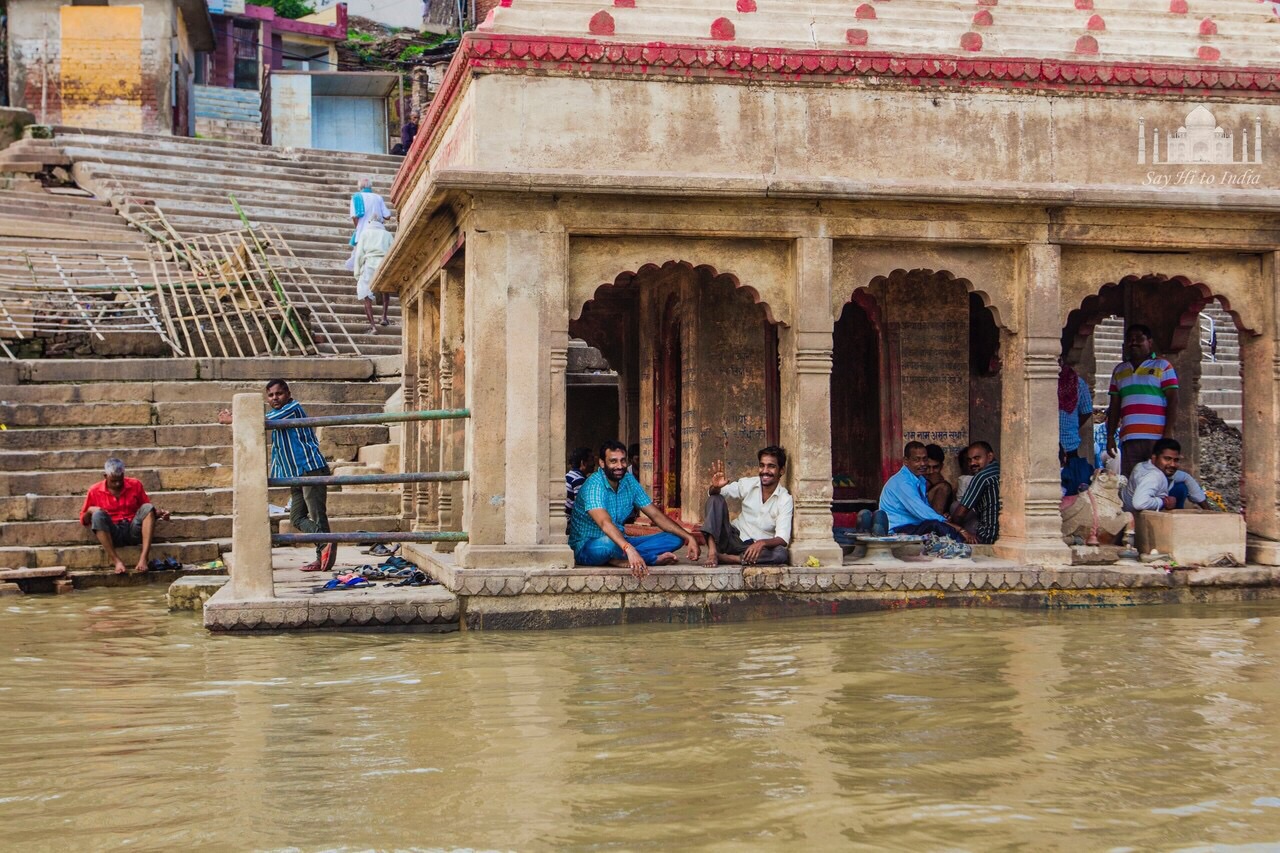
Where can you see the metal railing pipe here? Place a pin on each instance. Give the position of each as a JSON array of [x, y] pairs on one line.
[[357, 536], [378, 418], [371, 479]]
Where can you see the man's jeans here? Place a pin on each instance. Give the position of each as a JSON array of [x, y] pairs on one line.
[[936, 528], [599, 551], [308, 506], [1178, 491]]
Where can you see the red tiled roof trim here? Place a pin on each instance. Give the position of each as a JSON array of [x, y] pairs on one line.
[[494, 53]]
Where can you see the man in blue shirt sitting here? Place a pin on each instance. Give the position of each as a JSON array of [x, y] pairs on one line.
[[599, 518], [903, 500]]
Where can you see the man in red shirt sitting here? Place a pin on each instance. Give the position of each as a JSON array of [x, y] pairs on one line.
[[120, 513]]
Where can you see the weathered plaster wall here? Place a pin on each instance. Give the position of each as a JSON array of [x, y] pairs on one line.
[[97, 66], [291, 110], [988, 139]]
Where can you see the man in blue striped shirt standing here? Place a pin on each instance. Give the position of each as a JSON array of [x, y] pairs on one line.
[[296, 453]]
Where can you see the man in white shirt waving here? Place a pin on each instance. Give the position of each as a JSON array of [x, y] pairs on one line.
[[762, 531]]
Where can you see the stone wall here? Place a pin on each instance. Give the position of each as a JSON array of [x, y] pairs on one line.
[[104, 66]]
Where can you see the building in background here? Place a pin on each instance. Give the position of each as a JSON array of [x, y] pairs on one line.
[[277, 80], [112, 65], [392, 13]]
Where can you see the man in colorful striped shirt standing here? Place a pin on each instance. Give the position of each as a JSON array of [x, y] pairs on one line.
[[296, 453], [1144, 399]]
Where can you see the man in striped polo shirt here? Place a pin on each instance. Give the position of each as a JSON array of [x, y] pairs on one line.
[[1144, 399], [296, 453]]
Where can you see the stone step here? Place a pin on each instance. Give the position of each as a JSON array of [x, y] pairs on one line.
[[118, 138], [339, 442], [161, 154], [91, 460], [374, 393], [1214, 399], [1220, 369], [91, 556], [176, 369], [76, 481], [46, 534], [212, 501]]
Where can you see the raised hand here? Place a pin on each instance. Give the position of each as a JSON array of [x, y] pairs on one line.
[[718, 479]]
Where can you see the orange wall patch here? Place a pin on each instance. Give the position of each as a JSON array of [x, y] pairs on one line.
[[102, 66]]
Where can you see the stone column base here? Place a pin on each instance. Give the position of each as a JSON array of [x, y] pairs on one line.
[[827, 551], [1263, 552], [470, 556], [1033, 552]]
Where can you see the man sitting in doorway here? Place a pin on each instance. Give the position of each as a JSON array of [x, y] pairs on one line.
[[119, 513], [1144, 399], [982, 499], [600, 512], [581, 461], [1158, 484], [762, 531], [903, 499]]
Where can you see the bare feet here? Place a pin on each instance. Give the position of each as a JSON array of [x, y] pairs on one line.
[[667, 559], [121, 568], [142, 566], [620, 564], [713, 559]]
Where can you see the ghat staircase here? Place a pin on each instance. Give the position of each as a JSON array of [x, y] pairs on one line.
[[64, 418], [80, 195], [302, 193]]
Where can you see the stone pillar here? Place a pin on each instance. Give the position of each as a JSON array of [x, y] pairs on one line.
[[251, 570], [805, 424], [1030, 484], [1186, 426], [409, 319], [515, 318], [452, 374], [425, 455], [558, 425], [1260, 370]]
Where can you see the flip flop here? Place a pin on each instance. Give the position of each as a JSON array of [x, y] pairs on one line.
[[371, 573], [383, 550], [395, 563]]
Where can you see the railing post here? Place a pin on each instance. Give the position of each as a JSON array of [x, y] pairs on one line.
[[251, 572]]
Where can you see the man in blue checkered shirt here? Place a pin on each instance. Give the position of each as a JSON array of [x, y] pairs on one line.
[[600, 516], [296, 453]]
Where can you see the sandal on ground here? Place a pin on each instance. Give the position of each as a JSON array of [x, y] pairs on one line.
[[355, 582], [383, 550], [372, 573], [418, 578], [396, 562]]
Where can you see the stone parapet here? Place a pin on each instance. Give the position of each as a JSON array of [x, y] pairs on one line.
[[427, 608]]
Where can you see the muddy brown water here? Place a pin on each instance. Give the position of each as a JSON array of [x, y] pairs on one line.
[[1144, 728]]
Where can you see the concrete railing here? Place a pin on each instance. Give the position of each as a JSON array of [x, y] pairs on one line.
[[251, 537]]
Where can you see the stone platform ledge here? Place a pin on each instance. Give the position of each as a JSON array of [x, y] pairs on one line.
[[603, 609], [432, 609], [979, 574], [191, 592]]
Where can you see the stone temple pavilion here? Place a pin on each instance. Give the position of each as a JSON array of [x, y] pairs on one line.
[[831, 225]]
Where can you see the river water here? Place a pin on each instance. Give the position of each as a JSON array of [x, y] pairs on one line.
[[1150, 728]]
